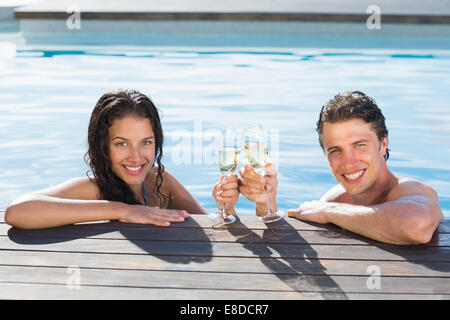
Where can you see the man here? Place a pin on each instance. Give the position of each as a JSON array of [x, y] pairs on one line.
[[369, 199]]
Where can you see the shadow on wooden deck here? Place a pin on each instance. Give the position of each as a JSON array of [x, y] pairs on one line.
[[295, 264], [136, 234]]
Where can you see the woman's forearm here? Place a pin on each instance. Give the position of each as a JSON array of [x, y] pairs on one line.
[[40, 211]]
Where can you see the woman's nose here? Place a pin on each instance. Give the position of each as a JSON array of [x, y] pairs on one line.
[[134, 154]]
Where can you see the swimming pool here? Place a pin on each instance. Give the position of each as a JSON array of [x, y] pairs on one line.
[[48, 92]]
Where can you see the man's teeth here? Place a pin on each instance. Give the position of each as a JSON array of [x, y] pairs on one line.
[[133, 168], [354, 176]]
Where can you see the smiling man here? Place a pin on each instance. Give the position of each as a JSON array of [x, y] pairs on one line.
[[369, 199]]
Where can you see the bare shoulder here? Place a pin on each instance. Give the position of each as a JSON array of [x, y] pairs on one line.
[[171, 183], [337, 194], [179, 197], [76, 188], [168, 183], [409, 186]]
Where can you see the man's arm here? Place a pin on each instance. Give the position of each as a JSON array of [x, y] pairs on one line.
[[410, 216]]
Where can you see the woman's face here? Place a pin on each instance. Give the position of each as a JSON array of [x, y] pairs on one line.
[[131, 148]]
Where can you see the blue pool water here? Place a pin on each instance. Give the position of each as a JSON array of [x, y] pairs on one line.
[[47, 94]]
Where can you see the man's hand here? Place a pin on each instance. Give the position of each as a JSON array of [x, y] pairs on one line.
[[314, 211], [253, 187]]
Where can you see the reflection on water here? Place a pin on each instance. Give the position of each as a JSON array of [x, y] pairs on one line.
[[47, 96]]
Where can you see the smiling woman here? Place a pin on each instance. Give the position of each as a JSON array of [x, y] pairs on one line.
[[119, 128], [125, 149], [131, 154]]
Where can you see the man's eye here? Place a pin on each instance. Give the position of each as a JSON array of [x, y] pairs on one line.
[[334, 150]]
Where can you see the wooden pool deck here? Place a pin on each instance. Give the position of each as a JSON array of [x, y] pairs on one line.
[[248, 260]]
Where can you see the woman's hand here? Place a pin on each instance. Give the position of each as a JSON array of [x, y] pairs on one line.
[[226, 191], [152, 215]]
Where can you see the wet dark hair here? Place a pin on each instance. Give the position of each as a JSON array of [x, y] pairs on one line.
[[111, 106], [353, 105]]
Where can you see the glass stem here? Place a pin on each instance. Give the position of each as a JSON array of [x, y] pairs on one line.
[[269, 204], [222, 211]]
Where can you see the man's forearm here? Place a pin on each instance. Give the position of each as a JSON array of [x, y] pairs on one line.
[[393, 222], [262, 208], [358, 219]]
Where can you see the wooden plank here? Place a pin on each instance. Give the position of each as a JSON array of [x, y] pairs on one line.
[[223, 264], [202, 221], [189, 259], [249, 222], [119, 231], [23, 291], [329, 286], [203, 251]]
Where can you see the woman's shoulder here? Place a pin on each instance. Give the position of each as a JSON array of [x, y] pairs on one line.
[[170, 185], [83, 188], [178, 195]]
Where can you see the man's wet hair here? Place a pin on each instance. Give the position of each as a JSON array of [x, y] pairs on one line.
[[353, 105]]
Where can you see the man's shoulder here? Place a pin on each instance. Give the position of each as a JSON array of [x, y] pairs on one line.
[[337, 194], [409, 186]]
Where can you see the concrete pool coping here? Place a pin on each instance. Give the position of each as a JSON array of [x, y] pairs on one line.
[[258, 21], [402, 11]]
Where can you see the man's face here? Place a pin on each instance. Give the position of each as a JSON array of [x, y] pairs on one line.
[[355, 155]]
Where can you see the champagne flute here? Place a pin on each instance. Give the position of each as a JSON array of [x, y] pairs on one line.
[[228, 160], [255, 145]]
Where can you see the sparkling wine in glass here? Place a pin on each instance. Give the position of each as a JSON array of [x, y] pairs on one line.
[[255, 145], [228, 161]]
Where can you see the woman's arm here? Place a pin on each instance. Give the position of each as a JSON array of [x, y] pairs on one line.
[[76, 201]]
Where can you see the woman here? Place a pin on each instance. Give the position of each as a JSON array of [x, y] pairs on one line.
[[128, 181]]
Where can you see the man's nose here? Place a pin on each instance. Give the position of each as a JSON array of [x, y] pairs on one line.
[[350, 159]]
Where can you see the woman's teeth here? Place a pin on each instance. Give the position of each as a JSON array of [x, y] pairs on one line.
[[133, 168], [354, 176]]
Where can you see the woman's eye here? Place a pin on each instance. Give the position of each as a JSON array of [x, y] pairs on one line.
[[147, 142], [121, 144]]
